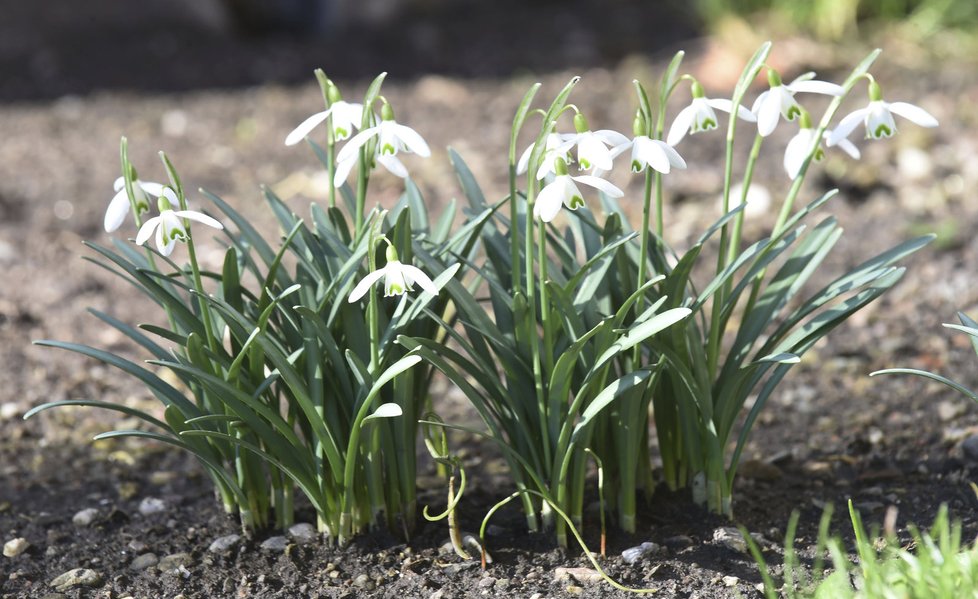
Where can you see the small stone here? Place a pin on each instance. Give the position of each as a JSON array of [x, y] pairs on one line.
[[730, 581], [487, 583], [730, 538], [364, 582], [174, 562], [759, 470], [581, 575], [224, 544], [275, 544], [151, 505], [144, 561], [137, 546], [633, 554], [970, 447], [536, 596], [15, 547], [79, 577], [573, 589], [679, 542], [303, 533], [85, 517]]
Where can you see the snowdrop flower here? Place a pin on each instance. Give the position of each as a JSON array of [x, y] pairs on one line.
[[392, 163], [801, 143], [648, 152], [878, 117], [558, 145], [392, 138], [169, 225], [594, 147], [346, 118], [780, 99], [563, 191], [700, 115], [120, 206], [398, 278]]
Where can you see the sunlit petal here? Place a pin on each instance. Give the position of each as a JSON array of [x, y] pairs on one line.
[[116, 213], [599, 184], [305, 127], [146, 231], [681, 125], [914, 114], [364, 285], [413, 274]]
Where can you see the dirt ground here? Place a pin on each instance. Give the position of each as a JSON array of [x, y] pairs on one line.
[[220, 106]]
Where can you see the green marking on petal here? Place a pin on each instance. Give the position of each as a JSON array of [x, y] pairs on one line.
[[585, 164], [142, 207], [705, 125], [388, 150], [881, 131], [794, 112], [575, 202], [394, 289], [636, 166], [819, 154], [341, 133]]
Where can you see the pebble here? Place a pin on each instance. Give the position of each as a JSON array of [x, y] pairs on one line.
[[174, 562], [730, 581], [487, 583], [224, 544], [144, 561], [679, 542], [85, 517], [137, 546], [303, 533], [275, 544], [730, 538], [364, 582], [151, 505], [15, 547], [78, 577], [633, 554], [581, 575], [574, 590], [970, 447]]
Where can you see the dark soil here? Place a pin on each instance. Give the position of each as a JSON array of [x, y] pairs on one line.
[[830, 434]]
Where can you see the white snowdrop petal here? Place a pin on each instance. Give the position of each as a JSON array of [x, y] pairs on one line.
[[550, 199], [769, 114], [600, 184], [680, 126], [611, 137], [364, 285], [846, 125], [412, 139], [305, 127], [353, 146], [524, 162], [591, 151], [674, 158], [649, 153], [119, 184], [154, 189], [199, 217], [393, 164], [343, 171], [116, 213], [849, 148], [170, 195], [816, 87], [146, 231], [914, 114], [413, 274], [795, 153]]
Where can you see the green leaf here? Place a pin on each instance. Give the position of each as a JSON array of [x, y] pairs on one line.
[[929, 375], [607, 395], [519, 118]]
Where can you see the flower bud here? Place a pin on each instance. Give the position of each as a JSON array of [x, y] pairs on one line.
[[696, 90], [773, 78], [638, 124], [386, 112], [560, 167], [875, 92], [392, 253], [580, 123]]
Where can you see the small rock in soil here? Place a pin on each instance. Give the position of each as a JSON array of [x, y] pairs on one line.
[[487, 583], [151, 505], [137, 546], [633, 554], [174, 562], [224, 544], [275, 544], [679, 542], [582, 575], [730, 538], [730, 581], [15, 547], [85, 517], [79, 577], [574, 590], [303, 533], [970, 447], [144, 561], [364, 582]]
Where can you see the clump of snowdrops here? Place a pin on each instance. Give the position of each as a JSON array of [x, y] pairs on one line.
[[304, 362]]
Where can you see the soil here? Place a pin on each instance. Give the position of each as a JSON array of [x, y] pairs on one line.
[[830, 434]]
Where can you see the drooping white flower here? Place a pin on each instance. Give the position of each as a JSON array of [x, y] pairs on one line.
[[593, 147], [558, 145], [779, 100], [563, 191], [878, 117], [392, 138], [649, 153], [120, 206], [798, 148], [169, 224], [398, 278], [700, 115], [390, 162], [346, 118]]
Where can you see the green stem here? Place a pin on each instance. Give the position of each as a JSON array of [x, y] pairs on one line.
[[734, 248]]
